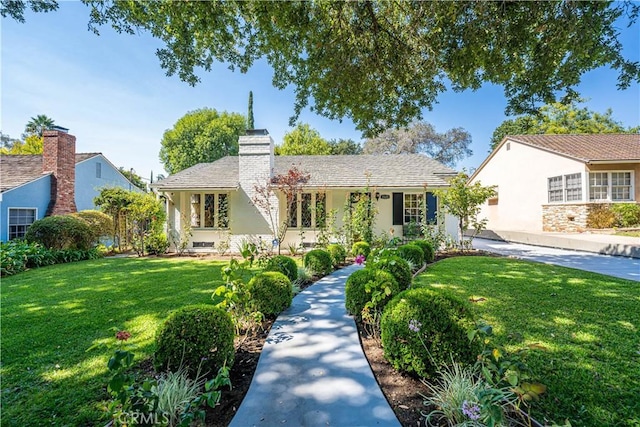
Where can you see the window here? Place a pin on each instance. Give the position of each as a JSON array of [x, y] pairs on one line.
[[613, 186], [209, 210], [565, 188], [19, 221], [308, 211], [98, 170], [413, 207]]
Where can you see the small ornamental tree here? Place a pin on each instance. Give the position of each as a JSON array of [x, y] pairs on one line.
[[463, 201], [289, 185]]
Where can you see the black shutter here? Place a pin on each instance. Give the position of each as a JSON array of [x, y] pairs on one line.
[[398, 209], [432, 207]]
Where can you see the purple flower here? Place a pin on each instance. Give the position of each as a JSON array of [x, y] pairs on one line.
[[471, 410], [414, 325], [360, 259]]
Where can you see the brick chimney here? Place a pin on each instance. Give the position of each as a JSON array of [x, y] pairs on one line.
[[59, 158]]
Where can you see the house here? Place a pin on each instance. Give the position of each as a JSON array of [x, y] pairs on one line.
[[551, 182], [216, 200], [60, 181]]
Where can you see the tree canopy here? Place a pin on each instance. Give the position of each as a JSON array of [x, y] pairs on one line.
[[201, 136], [421, 137], [37, 125], [345, 146], [558, 118], [33, 144], [303, 140], [380, 63], [133, 177]]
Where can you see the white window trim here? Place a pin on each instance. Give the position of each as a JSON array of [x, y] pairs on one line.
[[421, 209], [216, 216], [632, 189], [35, 218], [584, 181], [314, 195]]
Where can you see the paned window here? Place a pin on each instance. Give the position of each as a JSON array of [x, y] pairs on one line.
[[308, 211], [413, 207], [209, 210], [19, 221], [573, 187], [555, 189], [613, 186], [620, 186]]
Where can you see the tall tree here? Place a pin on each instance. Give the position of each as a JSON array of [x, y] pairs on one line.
[[345, 146], [303, 140], [250, 123], [32, 144], [133, 177], [558, 118], [201, 136], [421, 137], [38, 124], [381, 63]]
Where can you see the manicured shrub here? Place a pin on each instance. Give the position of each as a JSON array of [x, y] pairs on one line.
[[157, 244], [422, 329], [600, 216], [284, 265], [361, 285], [196, 336], [412, 253], [427, 250], [361, 248], [100, 223], [395, 265], [319, 262], [61, 232], [337, 252], [271, 292], [627, 214]]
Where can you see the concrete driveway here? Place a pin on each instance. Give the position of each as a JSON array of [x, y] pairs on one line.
[[625, 268]]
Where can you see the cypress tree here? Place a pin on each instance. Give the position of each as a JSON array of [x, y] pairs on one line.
[[250, 124]]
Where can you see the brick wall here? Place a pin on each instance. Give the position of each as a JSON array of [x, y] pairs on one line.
[[565, 217], [59, 158]]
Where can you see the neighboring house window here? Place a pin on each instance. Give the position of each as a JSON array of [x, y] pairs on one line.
[[209, 210], [19, 221], [303, 214], [98, 170], [413, 207], [565, 188], [613, 186]]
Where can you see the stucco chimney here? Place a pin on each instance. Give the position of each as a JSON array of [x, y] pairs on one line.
[[59, 158]]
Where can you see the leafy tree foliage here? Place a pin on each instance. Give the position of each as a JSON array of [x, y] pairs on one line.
[[38, 124], [421, 137], [303, 140], [133, 177], [463, 201], [558, 118], [6, 143], [381, 62], [32, 145], [345, 146], [201, 136]]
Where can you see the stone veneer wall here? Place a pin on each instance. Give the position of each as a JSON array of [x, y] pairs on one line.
[[565, 217]]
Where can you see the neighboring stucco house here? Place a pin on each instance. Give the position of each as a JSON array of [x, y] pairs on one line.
[[217, 198], [59, 181], [550, 182]]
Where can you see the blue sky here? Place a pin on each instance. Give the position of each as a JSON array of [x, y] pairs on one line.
[[110, 91]]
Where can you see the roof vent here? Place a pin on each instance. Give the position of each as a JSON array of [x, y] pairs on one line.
[[257, 132], [59, 128]]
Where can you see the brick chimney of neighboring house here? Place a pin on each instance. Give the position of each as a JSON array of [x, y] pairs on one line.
[[59, 158]]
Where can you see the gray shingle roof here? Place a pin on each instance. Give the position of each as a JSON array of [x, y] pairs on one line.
[[587, 148], [346, 171], [16, 170]]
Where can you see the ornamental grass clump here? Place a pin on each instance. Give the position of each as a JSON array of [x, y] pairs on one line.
[[368, 285], [284, 265], [319, 262], [196, 338], [271, 292], [423, 328]]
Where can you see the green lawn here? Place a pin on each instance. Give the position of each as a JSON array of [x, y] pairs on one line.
[[52, 315], [588, 323], [628, 233]]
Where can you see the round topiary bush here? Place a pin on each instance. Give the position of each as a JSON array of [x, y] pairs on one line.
[[412, 253], [361, 248], [337, 252], [100, 223], [357, 295], [284, 265], [395, 265], [61, 232], [271, 292], [423, 328], [195, 337], [319, 262], [427, 249]]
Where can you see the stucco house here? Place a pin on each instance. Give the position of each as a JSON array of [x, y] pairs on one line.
[[216, 199], [551, 182], [59, 181]]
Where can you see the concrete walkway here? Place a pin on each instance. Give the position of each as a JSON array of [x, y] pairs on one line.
[[312, 371], [617, 266]]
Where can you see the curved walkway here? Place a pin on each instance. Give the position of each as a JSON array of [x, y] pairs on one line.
[[617, 266], [312, 371]]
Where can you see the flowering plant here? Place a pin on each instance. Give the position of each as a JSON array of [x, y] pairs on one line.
[[360, 259]]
